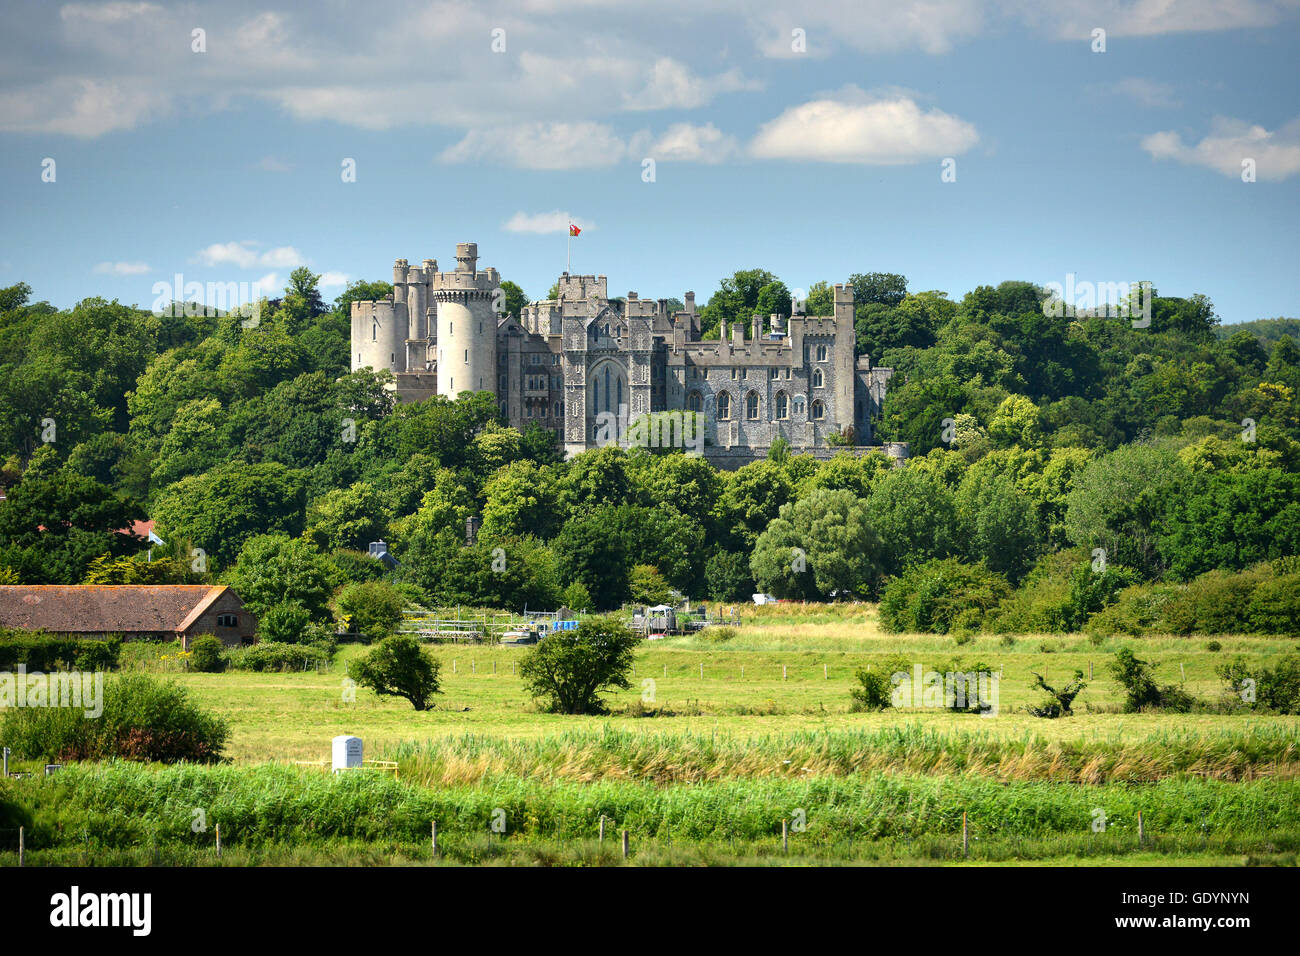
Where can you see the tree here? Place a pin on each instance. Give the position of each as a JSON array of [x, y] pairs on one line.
[[399, 667], [569, 670], [51, 529], [915, 516], [998, 523], [372, 608], [727, 577], [221, 508], [344, 518], [818, 546], [598, 560], [520, 499], [275, 569], [1141, 692], [1058, 702], [648, 585], [515, 299], [885, 288]]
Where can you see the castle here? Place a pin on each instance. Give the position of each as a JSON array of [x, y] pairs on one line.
[[570, 362]]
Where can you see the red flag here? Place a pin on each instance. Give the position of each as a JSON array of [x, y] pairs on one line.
[[574, 230]]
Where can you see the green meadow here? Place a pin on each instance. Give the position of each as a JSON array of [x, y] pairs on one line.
[[716, 743]]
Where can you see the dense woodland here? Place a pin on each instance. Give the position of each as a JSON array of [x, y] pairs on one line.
[[1087, 468]]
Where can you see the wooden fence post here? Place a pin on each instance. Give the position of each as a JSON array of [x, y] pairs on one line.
[[218, 841], [1140, 833], [625, 844], [785, 836], [602, 828], [965, 843], [21, 846], [782, 672], [433, 835]]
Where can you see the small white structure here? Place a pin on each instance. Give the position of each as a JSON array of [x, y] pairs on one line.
[[347, 752]]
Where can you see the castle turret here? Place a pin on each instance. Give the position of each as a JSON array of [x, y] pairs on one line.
[[466, 324]]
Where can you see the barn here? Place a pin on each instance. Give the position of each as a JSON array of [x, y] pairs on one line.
[[135, 611]]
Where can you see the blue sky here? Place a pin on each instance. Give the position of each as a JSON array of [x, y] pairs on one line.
[[225, 165]]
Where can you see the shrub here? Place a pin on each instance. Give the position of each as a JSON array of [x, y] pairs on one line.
[[371, 608], [1214, 647], [286, 623], [875, 687], [274, 656], [1059, 594], [568, 670], [1138, 609], [399, 667], [1275, 606], [577, 597], [939, 596], [143, 719], [1276, 689], [38, 651], [1058, 702], [962, 693], [1141, 692], [1214, 603], [207, 654]]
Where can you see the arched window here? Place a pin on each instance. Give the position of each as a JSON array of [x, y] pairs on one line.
[[724, 406], [374, 331], [798, 404], [694, 403], [818, 379], [818, 411], [821, 353], [782, 405], [751, 406]]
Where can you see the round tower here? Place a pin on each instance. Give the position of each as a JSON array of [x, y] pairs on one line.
[[467, 324], [378, 336]]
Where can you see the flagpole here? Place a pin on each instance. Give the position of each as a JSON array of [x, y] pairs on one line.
[[568, 249]]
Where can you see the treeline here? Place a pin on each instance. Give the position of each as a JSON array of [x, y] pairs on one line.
[[258, 455]]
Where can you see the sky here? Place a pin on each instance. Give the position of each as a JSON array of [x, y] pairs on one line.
[[958, 142]]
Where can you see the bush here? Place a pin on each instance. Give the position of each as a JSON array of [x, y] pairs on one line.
[[207, 654], [398, 666], [143, 719], [1060, 594], [1138, 609], [1276, 689], [1058, 702], [273, 656], [38, 651], [577, 598], [1141, 692], [1275, 606], [287, 623], [1214, 603], [875, 687], [569, 669], [941, 595], [371, 608]]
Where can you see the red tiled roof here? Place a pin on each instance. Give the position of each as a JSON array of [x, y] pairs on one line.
[[105, 608]]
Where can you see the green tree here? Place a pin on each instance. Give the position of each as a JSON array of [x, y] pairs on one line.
[[569, 670], [275, 569], [818, 546], [399, 667], [372, 608]]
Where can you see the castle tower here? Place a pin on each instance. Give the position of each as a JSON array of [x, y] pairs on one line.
[[380, 328], [467, 324]]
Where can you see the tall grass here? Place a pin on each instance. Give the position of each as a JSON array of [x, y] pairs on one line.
[[665, 759]]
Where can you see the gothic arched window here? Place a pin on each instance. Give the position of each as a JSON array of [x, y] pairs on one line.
[[724, 406], [782, 405], [818, 410], [694, 402], [818, 379], [751, 406]]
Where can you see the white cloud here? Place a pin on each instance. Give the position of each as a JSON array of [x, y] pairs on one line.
[[83, 108], [1276, 154], [850, 127], [121, 268], [687, 142], [244, 255], [541, 146], [1145, 92], [672, 85], [1076, 19], [331, 280], [270, 286], [546, 223]]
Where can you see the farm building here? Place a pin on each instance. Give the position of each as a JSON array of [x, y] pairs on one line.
[[136, 611]]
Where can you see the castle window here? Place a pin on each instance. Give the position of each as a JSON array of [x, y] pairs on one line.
[[818, 411], [694, 402], [787, 374], [555, 360], [751, 406], [467, 355], [374, 332], [724, 406], [776, 373], [782, 405], [818, 379], [821, 353], [798, 404], [733, 374]]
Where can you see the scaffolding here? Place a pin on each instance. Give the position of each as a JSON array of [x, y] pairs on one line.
[[477, 625]]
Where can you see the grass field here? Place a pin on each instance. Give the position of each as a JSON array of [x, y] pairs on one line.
[[701, 766]]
